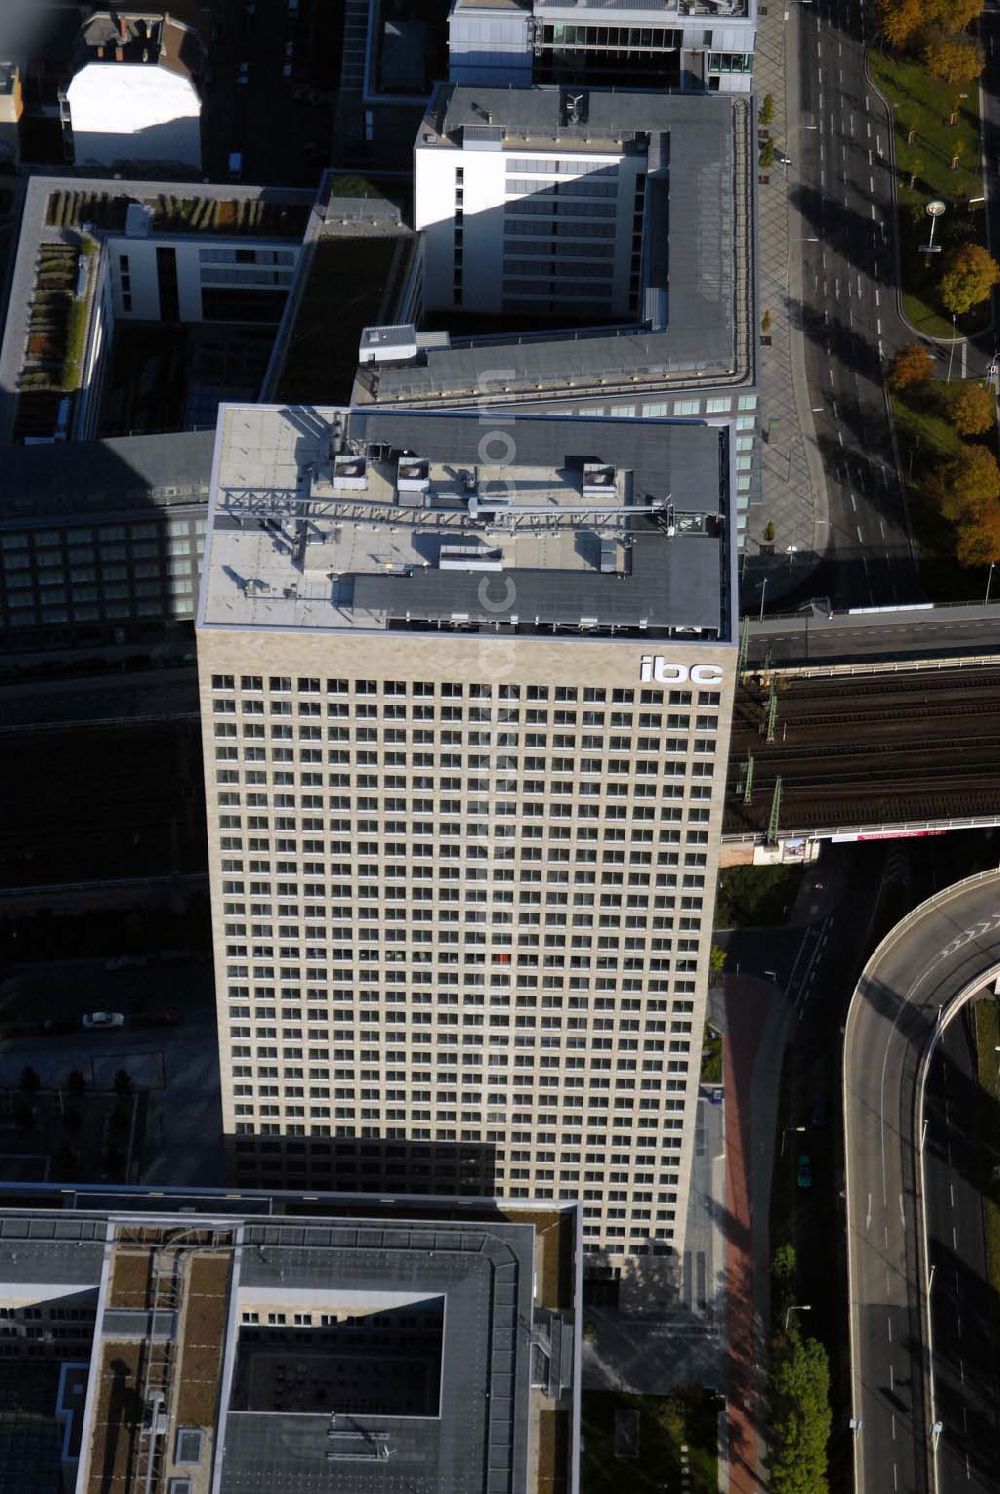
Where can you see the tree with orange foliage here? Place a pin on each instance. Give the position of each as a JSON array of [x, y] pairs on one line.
[[952, 15], [953, 57], [912, 366], [971, 407], [963, 483], [971, 274], [977, 541], [901, 21]]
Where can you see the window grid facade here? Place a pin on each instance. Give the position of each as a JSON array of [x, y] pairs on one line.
[[467, 914]]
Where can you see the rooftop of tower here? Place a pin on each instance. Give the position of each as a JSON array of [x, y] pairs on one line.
[[336, 519]]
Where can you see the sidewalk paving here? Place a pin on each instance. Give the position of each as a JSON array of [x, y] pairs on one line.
[[794, 486], [756, 1018]]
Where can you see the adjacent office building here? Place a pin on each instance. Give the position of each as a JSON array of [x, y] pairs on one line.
[[466, 688], [544, 208], [667, 44], [561, 202], [172, 1343], [135, 93]]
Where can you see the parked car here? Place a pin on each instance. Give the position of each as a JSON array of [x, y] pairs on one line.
[[781, 158], [127, 962], [804, 1177], [103, 1019]]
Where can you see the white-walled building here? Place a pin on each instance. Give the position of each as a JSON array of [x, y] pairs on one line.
[[687, 44], [583, 203], [136, 90], [466, 697]]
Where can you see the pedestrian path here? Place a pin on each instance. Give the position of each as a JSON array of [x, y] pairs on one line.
[[794, 489]]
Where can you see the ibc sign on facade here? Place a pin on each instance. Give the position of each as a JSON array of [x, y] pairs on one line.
[[655, 669]]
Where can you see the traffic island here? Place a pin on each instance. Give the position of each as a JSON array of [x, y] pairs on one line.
[[937, 157]]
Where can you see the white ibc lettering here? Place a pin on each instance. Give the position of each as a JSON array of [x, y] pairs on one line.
[[655, 668]]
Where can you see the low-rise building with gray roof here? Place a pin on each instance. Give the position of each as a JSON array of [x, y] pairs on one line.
[[330, 1345]]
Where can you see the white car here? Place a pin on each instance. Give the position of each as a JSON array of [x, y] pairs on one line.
[[103, 1019]]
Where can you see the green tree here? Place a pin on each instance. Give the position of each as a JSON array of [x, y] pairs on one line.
[[971, 407], [963, 483], [784, 1264], [767, 154], [800, 1417], [952, 56], [971, 274], [30, 1081], [765, 114], [716, 960], [912, 366]]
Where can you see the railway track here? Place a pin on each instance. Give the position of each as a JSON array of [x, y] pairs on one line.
[[867, 750]]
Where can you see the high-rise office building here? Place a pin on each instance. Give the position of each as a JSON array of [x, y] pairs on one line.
[[466, 686]]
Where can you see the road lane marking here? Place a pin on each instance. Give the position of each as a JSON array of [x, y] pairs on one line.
[[869, 129], [954, 1238], [892, 1415], [878, 325], [878, 143], [881, 525], [877, 301], [871, 184], [892, 1378], [895, 1477], [860, 536], [854, 503], [840, 437], [859, 286], [902, 1215], [951, 1190]]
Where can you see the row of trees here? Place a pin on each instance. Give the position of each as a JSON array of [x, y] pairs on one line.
[[799, 1394], [937, 30], [965, 483]]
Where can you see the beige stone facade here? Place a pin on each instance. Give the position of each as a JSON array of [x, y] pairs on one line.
[[462, 892]]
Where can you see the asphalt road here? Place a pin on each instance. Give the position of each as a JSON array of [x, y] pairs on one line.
[[946, 632], [840, 185], [965, 1370], [943, 947]]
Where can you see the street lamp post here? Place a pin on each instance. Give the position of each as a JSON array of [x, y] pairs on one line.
[[786, 1132], [989, 582], [933, 210], [796, 1307], [763, 594]]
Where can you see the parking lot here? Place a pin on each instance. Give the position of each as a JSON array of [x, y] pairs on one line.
[[176, 1063]]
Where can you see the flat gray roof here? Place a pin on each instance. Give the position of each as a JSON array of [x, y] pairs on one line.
[[387, 520], [698, 249], [482, 1265], [88, 477], [478, 1441]]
